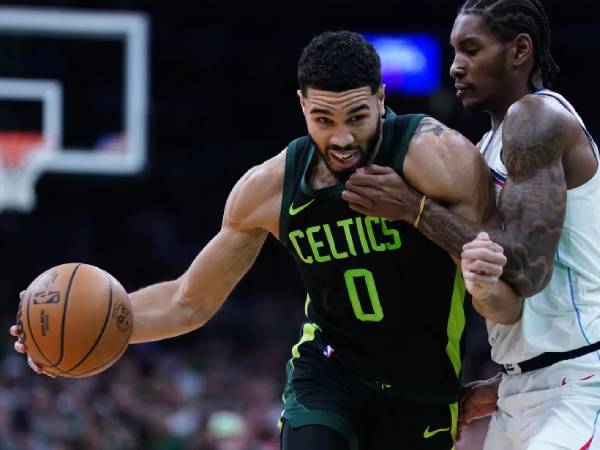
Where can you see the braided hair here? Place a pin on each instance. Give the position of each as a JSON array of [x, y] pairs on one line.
[[508, 18]]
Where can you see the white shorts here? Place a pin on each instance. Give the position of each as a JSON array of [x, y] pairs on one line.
[[553, 408]]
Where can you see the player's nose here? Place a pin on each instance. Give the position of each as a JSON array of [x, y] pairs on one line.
[[458, 69], [342, 138]]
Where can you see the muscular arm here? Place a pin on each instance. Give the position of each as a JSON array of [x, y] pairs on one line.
[[252, 211], [532, 203], [442, 164], [458, 177], [445, 166]]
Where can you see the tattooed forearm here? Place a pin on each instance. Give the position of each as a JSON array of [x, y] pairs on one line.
[[532, 204], [446, 229], [529, 241], [533, 213]]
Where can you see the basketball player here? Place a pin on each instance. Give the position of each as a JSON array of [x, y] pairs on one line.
[[545, 166], [385, 304]]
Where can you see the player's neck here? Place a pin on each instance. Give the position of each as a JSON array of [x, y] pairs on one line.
[[498, 112], [322, 177]]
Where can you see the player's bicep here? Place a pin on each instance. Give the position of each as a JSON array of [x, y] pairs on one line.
[[456, 175], [472, 190], [255, 200], [251, 212], [533, 201]]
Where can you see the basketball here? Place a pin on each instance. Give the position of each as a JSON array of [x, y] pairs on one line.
[[75, 320]]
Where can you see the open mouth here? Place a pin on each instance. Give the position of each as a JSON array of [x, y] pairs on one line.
[[345, 159]]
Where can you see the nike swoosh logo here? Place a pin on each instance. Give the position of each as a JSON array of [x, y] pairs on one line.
[[293, 211], [427, 434]]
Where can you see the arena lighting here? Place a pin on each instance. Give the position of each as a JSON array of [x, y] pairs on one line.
[[411, 63]]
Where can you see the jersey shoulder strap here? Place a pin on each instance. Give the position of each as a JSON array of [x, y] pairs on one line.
[[403, 131], [295, 161]]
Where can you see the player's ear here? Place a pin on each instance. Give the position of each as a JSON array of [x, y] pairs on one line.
[[522, 49], [381, 99]]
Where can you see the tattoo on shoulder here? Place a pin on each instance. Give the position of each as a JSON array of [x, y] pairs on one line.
[[533, 144], [433, 126]]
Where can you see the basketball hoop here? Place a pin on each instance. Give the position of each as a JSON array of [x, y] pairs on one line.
[[23, 156]]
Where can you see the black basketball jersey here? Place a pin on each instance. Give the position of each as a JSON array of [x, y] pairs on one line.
[[388, 301]]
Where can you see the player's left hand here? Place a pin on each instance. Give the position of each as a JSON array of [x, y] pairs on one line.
[[477, 400], [482, 263], [379, 191]]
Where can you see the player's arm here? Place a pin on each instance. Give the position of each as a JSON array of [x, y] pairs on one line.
[[443, 165], [175, 307], [532, 203], [457, 177], [252, 211]]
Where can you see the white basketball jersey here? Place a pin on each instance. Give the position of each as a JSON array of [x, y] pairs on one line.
[[565, 315]]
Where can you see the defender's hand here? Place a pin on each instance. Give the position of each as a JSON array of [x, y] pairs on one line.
[[379, 191], [477, 399], [482, 265], [21, 348]]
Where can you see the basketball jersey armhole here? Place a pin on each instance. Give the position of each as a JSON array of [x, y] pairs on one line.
[[564, 103], [289, 181], [404, 126]]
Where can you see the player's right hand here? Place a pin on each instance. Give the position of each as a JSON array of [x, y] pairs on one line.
[[380, 192], [20, 347]]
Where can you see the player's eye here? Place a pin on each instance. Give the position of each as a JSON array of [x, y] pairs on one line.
[[357, 118], [324, 120]]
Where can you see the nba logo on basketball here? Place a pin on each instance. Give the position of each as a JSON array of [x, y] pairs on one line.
[[45, 297], [122, 318]]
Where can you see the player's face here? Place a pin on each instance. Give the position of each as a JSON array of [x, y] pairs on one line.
[[345, 126], [480, 66]]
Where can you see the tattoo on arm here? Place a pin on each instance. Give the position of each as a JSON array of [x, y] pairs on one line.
[[431, 125], [534, 200], [532, 204], [447, 229]]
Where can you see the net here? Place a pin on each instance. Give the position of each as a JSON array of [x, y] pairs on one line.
[[23, 156]]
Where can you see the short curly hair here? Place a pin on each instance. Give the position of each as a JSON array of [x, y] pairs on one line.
[[338, 61]]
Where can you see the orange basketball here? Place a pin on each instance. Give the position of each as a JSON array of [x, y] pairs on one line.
[[75, 320]]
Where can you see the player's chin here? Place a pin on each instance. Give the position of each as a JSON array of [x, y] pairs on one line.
[[341, 175], [473, 104], [343, 169]]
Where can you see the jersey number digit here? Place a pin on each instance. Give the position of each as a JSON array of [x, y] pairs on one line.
[[349, 277]]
